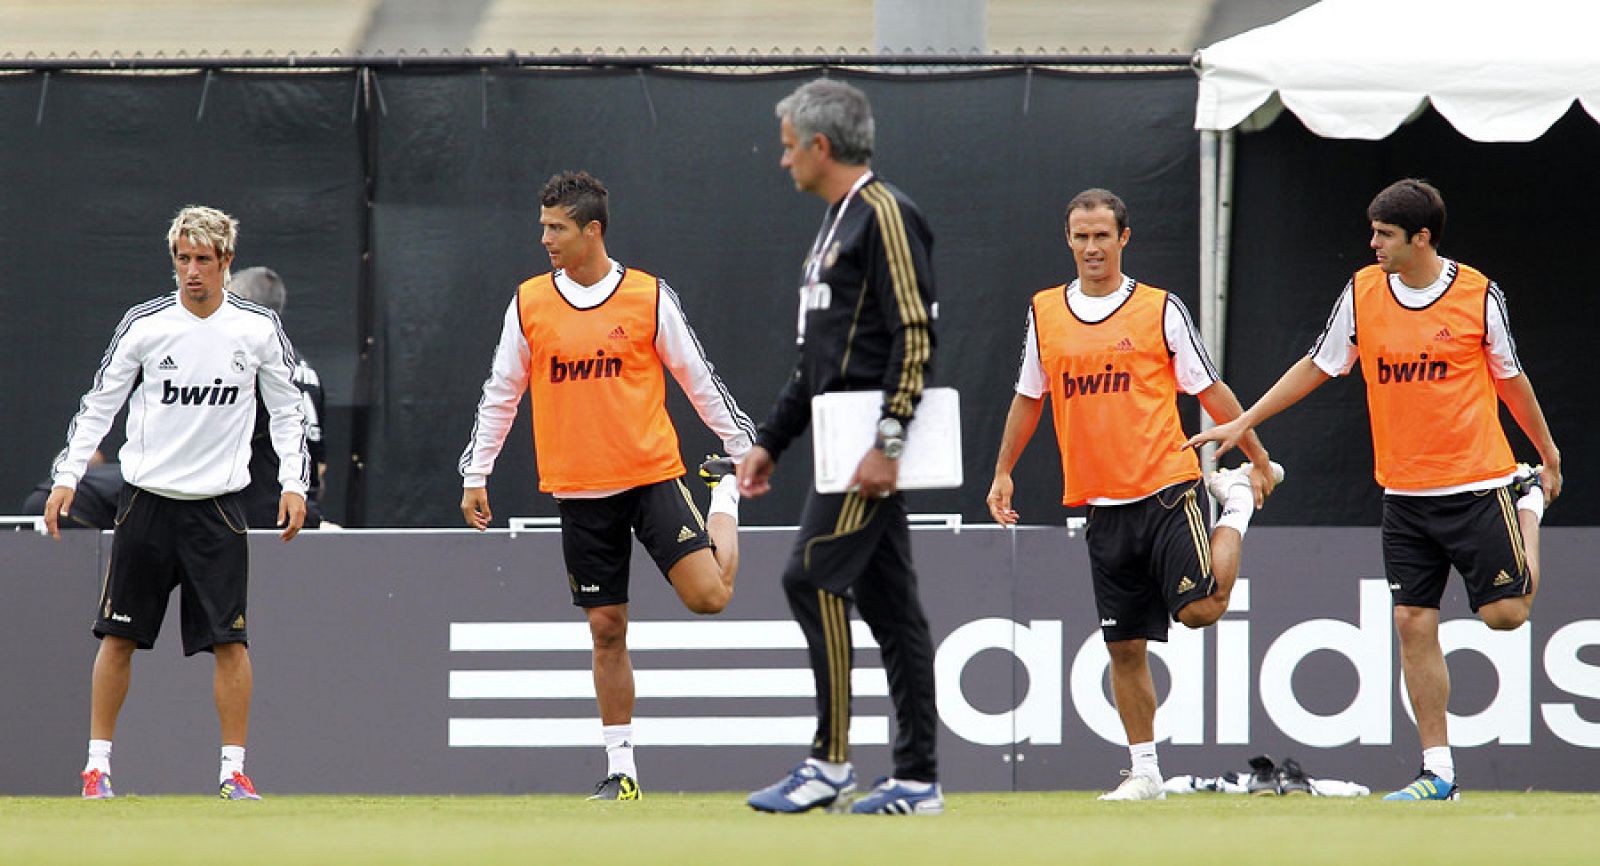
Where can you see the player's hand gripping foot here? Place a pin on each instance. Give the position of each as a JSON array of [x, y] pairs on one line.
[[1137, 786], [1223, 481], [617, 786], [805, 788], [894, 797], [238, 787]]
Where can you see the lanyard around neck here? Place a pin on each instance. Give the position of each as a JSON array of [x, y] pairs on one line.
[[819, 248]]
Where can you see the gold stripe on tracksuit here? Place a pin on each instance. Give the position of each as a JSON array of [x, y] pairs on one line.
[[836, 637], [903, 280], [852, 516], [1197, 530]]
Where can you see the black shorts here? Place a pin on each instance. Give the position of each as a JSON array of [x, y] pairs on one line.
[[198, 545], [596, 545], [1477, 532], [1149, 559]]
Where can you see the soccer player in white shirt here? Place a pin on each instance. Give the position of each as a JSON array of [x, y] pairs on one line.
[[188, 364]]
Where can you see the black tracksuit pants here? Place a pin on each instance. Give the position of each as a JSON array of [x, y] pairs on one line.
[[858, 550]]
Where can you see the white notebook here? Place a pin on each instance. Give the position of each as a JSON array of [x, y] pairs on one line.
[[844, 425]]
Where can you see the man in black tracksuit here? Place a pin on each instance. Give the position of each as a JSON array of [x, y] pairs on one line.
[[867, 308]]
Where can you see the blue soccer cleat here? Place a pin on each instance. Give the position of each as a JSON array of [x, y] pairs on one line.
[[97, 785], [894, 797], [238, 787], [804, 789], [1427, 787]]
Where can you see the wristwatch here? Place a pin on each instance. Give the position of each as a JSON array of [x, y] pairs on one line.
[[891, 438]]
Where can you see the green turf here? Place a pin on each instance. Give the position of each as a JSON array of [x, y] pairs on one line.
[[716, 829]]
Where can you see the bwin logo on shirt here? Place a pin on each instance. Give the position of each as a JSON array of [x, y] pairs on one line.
[[1407, 370], [598, 367], [1108, 382], [214, 394]]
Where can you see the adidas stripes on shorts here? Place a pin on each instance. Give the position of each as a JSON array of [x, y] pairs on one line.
[[1477, 532], [1148, 559], [597, 537]]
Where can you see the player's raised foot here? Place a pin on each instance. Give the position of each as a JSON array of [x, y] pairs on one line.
[[1137, 786], [1427, 787], [895, 797], [617, 786], [1223, 480], [1526, 478], [238, 787], [97, 785], [1292, 780], [806, 787], [715, 468], [1263, 779]]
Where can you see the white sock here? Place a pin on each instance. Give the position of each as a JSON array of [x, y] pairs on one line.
[[1533, 501], [725, 498], [1144, 760], [914, 786], [619, 750], [836, 773], [232, 762], [99, 757], [1238, 508], [1438, 761]]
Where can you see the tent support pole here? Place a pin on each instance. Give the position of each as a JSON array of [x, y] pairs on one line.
[[1216, 235], [1223, 226]]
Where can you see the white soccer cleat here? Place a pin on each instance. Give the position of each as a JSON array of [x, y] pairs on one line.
[[1223, 480], [1137, 786]]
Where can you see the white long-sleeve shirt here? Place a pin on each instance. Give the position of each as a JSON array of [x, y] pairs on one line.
[[190, 385], [675, 343]]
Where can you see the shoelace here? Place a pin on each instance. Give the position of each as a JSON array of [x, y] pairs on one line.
[[800, 775], [243, 782], [91, 782]]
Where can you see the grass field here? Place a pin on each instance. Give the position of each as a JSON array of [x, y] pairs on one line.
[[716, 829]]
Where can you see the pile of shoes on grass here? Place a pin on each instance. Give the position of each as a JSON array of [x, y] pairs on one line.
[[1266, 778]]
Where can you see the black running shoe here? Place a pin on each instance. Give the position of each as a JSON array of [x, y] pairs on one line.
[[617, 786], [1263, 779], [715, 468], [1291, 779]]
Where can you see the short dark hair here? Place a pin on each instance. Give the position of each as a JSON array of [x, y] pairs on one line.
[[1095, 197], [581, 193], [1411, 204]]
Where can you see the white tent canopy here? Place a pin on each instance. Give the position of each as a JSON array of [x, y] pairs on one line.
[[1497, 71], [1358, 69]]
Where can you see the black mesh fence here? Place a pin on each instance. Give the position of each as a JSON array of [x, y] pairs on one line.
[[399, 204]]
